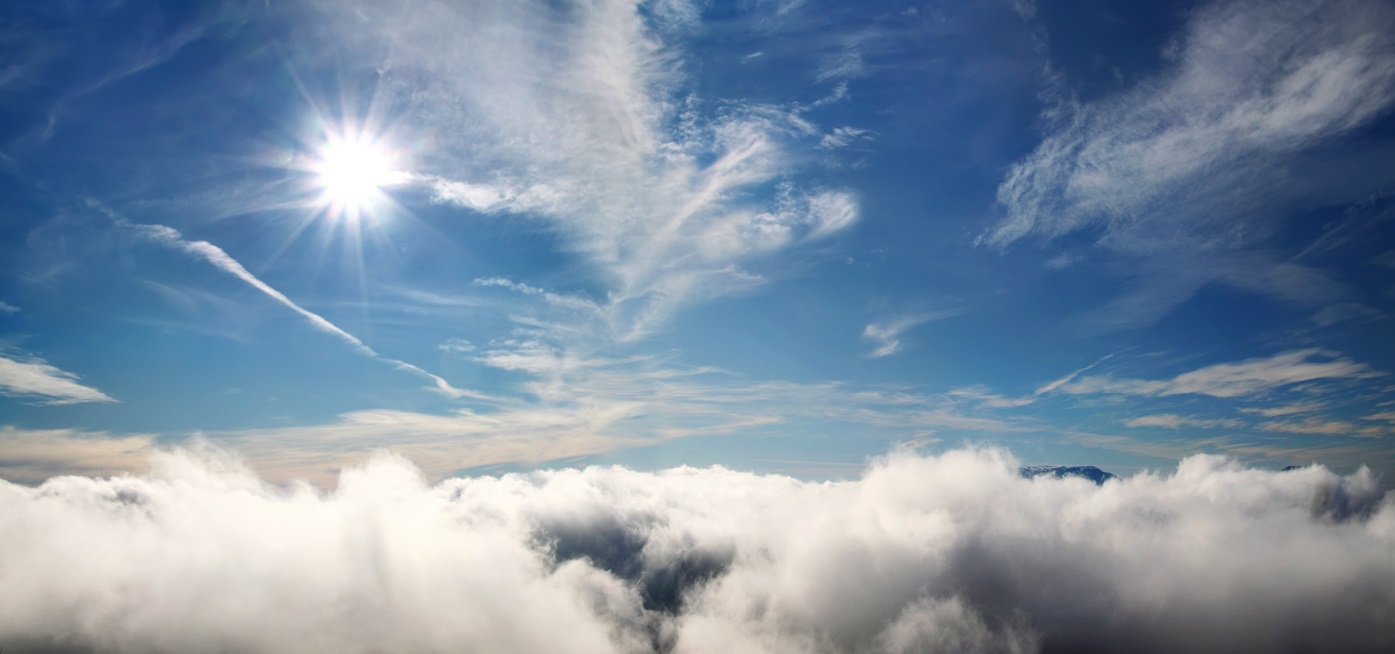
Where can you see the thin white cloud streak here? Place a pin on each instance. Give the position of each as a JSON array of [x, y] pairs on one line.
[[955, 552], [580, 120], [986, 398], [1174, 421], [1324, 426], [1051, 386], [8, 308], [1286, 409], [576, 406], [886, 334], [33, 376], [1232, 380], [215, 255]]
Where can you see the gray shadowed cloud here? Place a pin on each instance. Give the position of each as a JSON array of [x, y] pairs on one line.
[[956, 552]]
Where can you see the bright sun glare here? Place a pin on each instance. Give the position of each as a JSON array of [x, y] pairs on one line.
[[351, 174]]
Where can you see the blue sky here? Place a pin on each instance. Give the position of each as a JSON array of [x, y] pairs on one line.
[[774, 235]]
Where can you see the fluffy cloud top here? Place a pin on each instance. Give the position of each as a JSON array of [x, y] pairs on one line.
[[949, 553]]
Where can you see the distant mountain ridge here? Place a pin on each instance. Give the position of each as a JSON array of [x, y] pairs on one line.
[[1088, 472]]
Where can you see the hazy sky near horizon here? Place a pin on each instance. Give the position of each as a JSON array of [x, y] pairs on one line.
[[776, 235]]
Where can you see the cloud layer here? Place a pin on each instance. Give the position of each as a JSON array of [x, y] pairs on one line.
[[945, 553]]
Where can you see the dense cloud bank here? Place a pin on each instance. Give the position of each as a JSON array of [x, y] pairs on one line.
[[954, 553]]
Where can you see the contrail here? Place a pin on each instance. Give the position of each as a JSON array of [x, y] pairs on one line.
[[170, 237]]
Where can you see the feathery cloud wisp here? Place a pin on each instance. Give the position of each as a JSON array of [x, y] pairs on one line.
[[1251, 83], [1189, 175], [1174, 421], [580, 122], [36, 377], [1232, 380], [1324, 426], [886, 334]]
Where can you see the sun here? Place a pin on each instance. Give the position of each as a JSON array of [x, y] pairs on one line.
[[351, 173]]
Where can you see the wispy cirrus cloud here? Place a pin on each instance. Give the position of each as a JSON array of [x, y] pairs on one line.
[[1248, 80], [1231, 380], [842, 137], [1324, 426], [1189, 173], [569, 406], [34, 377], [1174, 421], [842, 65], [29, 456], [572, 405], [1285, 409], [581, 121], [885, 334]]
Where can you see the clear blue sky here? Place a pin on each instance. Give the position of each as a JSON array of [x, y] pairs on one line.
[[777, 235]]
